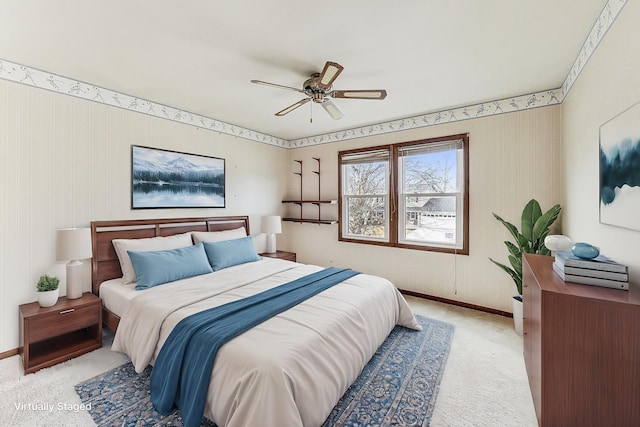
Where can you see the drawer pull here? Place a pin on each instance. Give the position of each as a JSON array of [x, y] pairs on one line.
[[71, 310]]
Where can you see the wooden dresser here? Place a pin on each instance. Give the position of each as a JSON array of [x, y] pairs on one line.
[[581, 349]]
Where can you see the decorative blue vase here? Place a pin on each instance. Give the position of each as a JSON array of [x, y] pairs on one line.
[[585, 250]]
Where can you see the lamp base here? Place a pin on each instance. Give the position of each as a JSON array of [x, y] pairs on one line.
[[74, 279], [271, 244]]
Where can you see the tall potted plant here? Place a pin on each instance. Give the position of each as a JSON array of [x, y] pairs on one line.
[[535, 226]]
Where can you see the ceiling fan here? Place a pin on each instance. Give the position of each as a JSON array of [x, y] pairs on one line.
[[318, 88]]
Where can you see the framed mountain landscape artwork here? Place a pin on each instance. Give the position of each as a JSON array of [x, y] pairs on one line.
[[170, 179], [620, 169]]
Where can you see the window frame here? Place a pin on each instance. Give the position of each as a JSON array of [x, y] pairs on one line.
[[393, 187], [386, 195]]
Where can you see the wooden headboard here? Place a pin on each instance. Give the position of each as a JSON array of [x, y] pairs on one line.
[[105, 264]]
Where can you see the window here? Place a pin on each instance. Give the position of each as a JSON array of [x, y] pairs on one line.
[[365, 194], [412, 195]]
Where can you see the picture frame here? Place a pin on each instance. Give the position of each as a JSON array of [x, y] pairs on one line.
[[172, 179], [620, 169]]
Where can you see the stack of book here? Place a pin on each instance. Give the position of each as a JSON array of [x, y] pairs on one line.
[[600, 271]]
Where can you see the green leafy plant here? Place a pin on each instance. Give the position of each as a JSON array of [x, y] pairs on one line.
[[47, 283], [535, 227]]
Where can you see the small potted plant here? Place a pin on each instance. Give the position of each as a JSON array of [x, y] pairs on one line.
[[47, 290]]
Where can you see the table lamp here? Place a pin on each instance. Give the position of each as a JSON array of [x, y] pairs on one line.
[[271, 225], [73, 245]]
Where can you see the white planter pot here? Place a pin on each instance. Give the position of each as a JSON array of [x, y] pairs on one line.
[[48, 298], [517, 314]]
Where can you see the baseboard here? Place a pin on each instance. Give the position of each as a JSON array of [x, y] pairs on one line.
[[458, 303], [8, 353]]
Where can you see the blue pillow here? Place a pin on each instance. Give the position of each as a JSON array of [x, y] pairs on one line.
[[157, 267], [230, 252]]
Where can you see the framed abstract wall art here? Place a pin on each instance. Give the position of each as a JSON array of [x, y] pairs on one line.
[[620, 169], [170, 179]]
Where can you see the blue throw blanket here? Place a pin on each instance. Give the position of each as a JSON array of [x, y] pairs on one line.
[[182, 371]]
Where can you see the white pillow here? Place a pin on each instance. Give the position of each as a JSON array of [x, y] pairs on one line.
[[149, 244], [218, 236]]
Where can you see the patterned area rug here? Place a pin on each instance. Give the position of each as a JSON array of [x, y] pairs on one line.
[[397, 387]]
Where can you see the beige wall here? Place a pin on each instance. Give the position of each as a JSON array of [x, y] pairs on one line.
[[609, 84], [513, 157], [65, 162]]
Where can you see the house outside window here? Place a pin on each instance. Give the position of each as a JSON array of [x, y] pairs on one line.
[[412, 195]]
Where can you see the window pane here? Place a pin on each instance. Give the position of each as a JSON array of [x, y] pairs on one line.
[[434, 172], [365, 178], [430, 219], [429, 193], [365, 192], [366, 217]]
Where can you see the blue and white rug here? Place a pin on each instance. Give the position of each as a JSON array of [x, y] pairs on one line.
[[397, 387]]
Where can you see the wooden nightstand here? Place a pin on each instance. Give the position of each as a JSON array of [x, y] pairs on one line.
[[54, 334], [288, 256]]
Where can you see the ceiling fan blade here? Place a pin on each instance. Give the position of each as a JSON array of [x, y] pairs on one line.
[[331, 108], [260, 82], [329, 73], [293, 107], [360, 94]]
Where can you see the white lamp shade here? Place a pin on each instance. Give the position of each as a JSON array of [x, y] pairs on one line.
[[271, 224], [73, 244]]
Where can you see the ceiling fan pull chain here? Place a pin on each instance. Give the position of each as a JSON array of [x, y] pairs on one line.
[[311, 113]]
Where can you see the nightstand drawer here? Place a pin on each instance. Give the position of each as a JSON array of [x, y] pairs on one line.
[[63, 321]]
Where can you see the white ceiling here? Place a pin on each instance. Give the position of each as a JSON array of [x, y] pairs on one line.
[[199, 56]]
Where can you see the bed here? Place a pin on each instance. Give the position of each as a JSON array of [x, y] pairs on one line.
[[289, 370]]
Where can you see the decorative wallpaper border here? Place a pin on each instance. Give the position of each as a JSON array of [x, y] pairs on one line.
[[603, 23], [491, 108], [60, 84], [37, 78]]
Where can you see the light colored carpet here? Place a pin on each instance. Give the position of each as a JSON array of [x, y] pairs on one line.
[[23, 399], [484, 382]]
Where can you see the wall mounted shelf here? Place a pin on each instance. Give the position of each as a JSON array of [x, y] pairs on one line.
[[300, 202], [311, 221], [314, 202]]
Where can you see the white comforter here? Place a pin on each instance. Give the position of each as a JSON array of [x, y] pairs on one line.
[[288, 371]]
